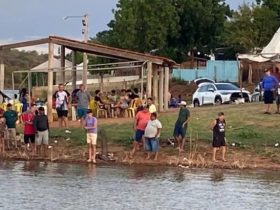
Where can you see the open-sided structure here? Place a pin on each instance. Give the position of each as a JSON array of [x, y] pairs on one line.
[[157, 68]]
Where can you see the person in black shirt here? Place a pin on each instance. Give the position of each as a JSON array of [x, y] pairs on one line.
[[41, 125], [218, 127]]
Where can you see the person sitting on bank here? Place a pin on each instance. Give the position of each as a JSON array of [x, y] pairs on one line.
[[41, 125], [101, 104], [11, 117], [269, 85], [218, 127]]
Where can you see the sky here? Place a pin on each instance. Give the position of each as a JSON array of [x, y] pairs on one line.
[[32, 19]]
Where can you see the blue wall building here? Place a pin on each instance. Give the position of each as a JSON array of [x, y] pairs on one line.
[[220, 71]]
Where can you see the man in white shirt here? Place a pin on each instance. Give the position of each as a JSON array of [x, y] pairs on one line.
[[152, 134], [152, 107], [61, 104]]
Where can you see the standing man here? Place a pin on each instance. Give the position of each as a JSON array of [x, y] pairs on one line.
[[11, 117], [61, 104], [269, 85], [41, 125], [181, 125], [140, 123], [83, 98]]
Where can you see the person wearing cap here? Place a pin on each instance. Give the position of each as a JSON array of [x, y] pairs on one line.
[[41, 125], [140, 124], [90, 125], [181, 125], [218, 127], [269, 85]]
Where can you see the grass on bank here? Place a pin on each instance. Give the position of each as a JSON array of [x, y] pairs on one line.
[[247, 127]]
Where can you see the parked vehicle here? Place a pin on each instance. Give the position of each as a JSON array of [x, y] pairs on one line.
[[209, 92]]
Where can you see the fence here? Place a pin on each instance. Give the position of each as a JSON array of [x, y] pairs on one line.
[[220, 71]]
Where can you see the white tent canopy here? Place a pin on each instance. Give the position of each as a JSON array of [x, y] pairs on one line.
[[270, 52]]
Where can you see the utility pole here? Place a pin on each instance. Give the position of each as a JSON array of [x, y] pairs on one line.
[[85, 58], [85, 32]]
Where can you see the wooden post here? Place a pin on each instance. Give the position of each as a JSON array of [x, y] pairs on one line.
[[149, 78], [155, 86], [166, 87], [2, 76], [74, 69], [161, 81], [250, 74], [62, 64], [50, 81]]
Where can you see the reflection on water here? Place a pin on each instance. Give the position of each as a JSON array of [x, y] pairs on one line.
[[38, 185]]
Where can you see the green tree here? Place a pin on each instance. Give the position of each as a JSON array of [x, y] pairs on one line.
[[274, 5], [172, 26], [250, 27]]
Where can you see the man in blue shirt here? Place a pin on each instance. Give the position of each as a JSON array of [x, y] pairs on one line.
[[269, 85]]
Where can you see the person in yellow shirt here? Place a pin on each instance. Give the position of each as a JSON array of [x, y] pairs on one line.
[[152, 107]]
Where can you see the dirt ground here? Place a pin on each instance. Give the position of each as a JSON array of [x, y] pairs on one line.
[[61, 150]]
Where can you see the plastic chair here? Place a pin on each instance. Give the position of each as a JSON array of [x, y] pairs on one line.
[[3, 106], [131, 109], [100, 111]]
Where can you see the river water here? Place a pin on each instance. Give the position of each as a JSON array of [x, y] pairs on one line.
[[35, 185]]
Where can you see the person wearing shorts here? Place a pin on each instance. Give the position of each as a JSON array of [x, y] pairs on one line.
[[61, 104], [41, 125], [152, 134], [83, 98], [218, 127], [140, 123], [28, 128], [90, 125], [269, 85], [180, 128], [11, 117]]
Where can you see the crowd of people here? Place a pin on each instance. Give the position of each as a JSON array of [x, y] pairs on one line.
[[35, 129]]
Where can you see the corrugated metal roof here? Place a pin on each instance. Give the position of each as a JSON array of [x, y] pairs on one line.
[[93, 48]]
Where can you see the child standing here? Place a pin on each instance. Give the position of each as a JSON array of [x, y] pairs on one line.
[[29, 130], [2, 132], [41, 125], [90, 126], [152, 133], [218, 126]]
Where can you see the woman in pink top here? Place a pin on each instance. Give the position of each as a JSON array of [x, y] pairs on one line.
[[140, 123]]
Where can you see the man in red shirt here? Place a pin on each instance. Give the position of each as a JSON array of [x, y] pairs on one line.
[[29, 129], [140, 124]]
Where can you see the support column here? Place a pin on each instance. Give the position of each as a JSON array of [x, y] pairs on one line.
[[50, 81], [2, 76], [161, 85], [155, 86], [85, 68], [149, 79], [62, 64], [250, 74], [74, 69], [166, 87]]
